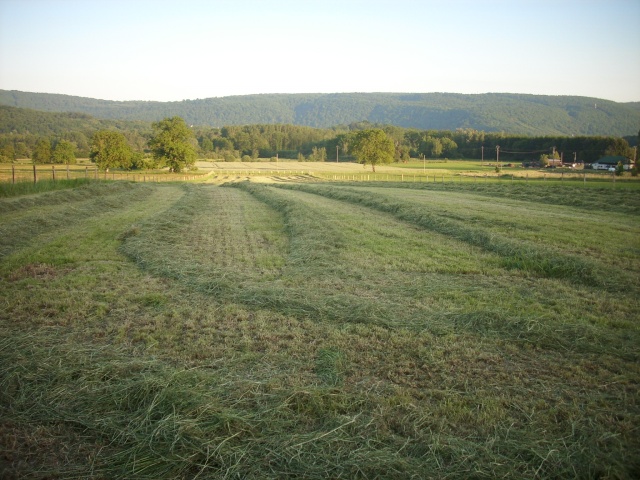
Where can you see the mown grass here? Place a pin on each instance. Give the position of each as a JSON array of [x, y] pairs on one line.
[[540, 258], [621, 198], [256, 332]]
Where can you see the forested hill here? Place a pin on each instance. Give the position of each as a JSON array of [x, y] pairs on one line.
[[490, 112]]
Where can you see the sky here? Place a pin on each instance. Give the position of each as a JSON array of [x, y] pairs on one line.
[[189, 49]]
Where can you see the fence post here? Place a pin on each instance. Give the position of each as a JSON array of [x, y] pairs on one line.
[[53, 172], [35, 175], [13, 174], [67, 171], [86, 172]]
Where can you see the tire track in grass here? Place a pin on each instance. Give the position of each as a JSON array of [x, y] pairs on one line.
[[214, 239]]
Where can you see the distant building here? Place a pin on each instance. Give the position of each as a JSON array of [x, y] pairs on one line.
[[605, 163]]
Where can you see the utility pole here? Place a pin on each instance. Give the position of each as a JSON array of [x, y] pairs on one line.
[[482, 150], [336, 153], [498, 156]]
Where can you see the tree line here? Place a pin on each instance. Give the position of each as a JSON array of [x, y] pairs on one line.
[[135, 143]]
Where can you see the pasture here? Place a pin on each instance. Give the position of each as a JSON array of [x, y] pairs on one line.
[[304, 328]]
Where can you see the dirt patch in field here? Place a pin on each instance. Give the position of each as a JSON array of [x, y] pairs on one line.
[[40, 271]]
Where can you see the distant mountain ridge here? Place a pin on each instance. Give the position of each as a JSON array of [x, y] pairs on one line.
[[490, 112]]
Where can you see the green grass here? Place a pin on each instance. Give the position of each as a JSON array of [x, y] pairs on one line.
[[26, 188], [481, 230], [319, 331]]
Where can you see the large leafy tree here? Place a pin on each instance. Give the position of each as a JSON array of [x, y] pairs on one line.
[[172, 143], [373, 147], [431, 146], [109, 149]]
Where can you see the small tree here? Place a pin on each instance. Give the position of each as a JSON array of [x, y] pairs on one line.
[[172, 145], [42, 151], [373, 147], [110, 149], [619, 169], [8, 153], [318, 154], [22, 150], [64, 152]]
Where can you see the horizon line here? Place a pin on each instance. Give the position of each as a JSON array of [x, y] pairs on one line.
[[321, 93]]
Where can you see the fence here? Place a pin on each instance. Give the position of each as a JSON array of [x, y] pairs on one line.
[[475, 178], [36, 173]]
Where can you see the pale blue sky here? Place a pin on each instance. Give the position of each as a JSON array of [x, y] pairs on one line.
[[188, 49]]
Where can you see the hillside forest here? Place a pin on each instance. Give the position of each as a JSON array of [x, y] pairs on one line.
[[23, 132], [522, 114]]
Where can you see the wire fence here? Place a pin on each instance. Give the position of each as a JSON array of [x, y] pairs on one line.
[[35, 173], [477, 178]]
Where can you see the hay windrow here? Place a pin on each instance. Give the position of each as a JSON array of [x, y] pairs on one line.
[[519, 255]]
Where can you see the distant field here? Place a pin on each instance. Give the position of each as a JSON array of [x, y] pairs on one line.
[[450, 169], [317, 329], [221, 172]]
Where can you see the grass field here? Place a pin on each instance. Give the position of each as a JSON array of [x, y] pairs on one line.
[[315, 329], [209, 171]]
